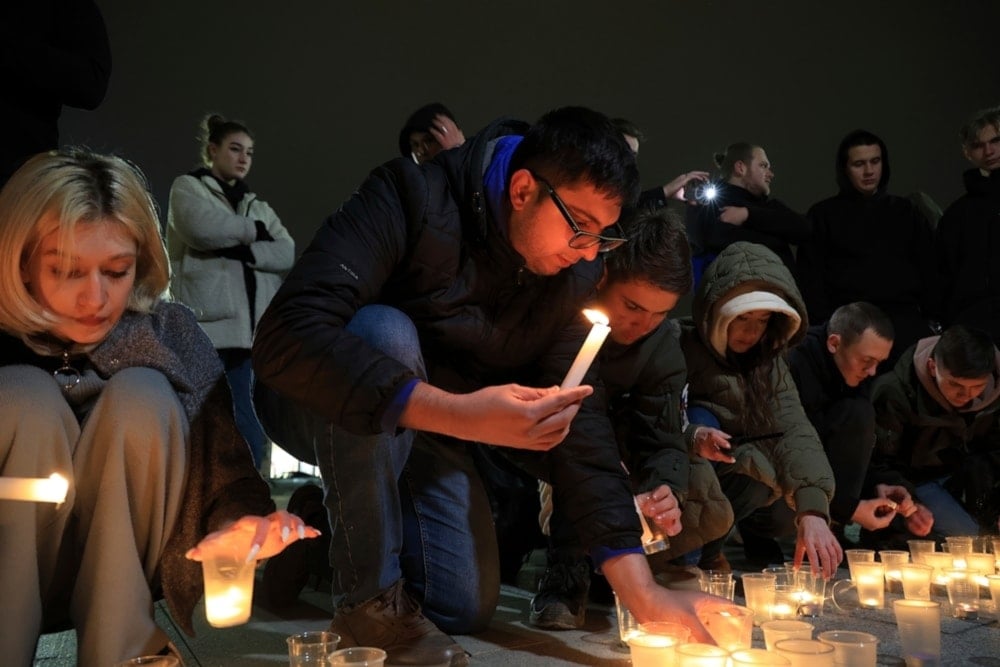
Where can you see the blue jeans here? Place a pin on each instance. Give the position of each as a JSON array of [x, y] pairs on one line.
[[950, 518], [409, 505], [239, 373]]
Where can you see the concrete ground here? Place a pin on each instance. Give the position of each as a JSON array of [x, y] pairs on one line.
[[511, 641]]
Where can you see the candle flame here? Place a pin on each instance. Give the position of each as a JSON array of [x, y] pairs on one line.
[[59, 486], [596, 316]]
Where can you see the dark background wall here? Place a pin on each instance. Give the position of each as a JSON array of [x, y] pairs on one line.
[[325, 86]]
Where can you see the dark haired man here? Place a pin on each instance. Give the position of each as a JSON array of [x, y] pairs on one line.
[[743, 209], [429, 130], [405, 335], [868, 245], [833, 368], [938, 428], [644, 374], [967, 240]]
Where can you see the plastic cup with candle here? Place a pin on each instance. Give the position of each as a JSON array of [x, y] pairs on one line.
[[892, 561], [851, 649], [775, 631], [627, 625], [982, 563], [993, 580], [940, 561], [701, 655], [916, 580], [963, 593], [806, 652], [919, 625], [40, 490], [786, 602], [228, 587], [653, 539], [869, 578], [730, 627], [960, 544], [756, 656], [758, 589], [858, 556], [654, 645], [585, 357], [718, 582], [311, 649], [811, 593], [920, 547]]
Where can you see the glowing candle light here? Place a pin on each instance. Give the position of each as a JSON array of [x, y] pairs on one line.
[[591, 345], [228, 588], [39, 490]]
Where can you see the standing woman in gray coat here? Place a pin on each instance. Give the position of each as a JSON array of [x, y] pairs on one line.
[[229, 253]]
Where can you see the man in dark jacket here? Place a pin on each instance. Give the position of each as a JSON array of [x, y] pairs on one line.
[[938, 427], [833, 368], [394, 346], [643, 371], [742, 209], [868, 245], [968, 235]]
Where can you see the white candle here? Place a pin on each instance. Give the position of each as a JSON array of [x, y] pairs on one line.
[[230, 606], [586, 355], [39, 490]]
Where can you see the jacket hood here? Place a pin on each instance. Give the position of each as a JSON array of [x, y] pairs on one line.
[[746, 276], [922, 352], [860, 138]]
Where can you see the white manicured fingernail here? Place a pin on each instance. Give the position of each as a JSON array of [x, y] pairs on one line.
[[302, 532], [254, 550], [284, 534]]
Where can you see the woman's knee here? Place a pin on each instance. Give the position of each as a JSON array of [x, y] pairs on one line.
[[27, 390], [140, 401]]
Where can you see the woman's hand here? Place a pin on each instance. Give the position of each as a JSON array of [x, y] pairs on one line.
[[261, 537], [712, 444]]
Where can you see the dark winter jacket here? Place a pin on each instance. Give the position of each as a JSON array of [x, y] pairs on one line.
[[968, 240], [645, 382], [794, 466], [770, 223], [820, 386], [921, 437], [422, 239], [222, 484]]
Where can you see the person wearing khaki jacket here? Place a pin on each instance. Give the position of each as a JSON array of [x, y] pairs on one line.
[[747, 311], [229, 253]]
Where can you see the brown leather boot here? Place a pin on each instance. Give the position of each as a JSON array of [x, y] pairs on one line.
[[393, 622]]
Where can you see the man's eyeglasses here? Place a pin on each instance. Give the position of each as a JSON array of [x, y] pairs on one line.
[[581, 240]]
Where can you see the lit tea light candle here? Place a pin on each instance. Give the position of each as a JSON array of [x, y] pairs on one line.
[[969, 612], [591, 345], [230, 606], [39, 490]]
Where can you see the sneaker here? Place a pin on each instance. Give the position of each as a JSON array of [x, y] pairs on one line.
[[393, 622], [561, 601]]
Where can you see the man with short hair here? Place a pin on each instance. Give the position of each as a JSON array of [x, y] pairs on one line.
[[833, 368], [743, 209], [968, 242], [643, 371], [411, 331], [938, 428], [868, 245]]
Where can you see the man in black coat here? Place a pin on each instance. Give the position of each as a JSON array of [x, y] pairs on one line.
[[415, 328], [868, 245], [833, 369], [968, 233], [742, 209]]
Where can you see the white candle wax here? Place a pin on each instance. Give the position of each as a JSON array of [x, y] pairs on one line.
[[591, 345], [228, 607], [40, 490]]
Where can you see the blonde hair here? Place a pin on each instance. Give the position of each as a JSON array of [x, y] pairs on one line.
[[56, 191]]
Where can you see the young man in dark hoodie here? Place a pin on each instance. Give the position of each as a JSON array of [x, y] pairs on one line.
[[868, 245], [968, 236], [833, 368], [938, 429]]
